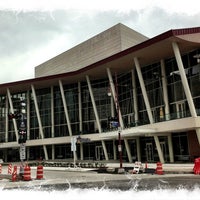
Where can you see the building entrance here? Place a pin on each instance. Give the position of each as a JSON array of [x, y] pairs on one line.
[[164, 150], [180, 108], [99, 153], [149, 152]]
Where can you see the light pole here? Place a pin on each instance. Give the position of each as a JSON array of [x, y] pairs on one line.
[[121, 169], [116, 121], [119, 124]]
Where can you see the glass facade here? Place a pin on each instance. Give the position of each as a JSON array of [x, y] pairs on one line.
[[81, 112]]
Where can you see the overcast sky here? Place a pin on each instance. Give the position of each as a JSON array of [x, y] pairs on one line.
[[33, 31]]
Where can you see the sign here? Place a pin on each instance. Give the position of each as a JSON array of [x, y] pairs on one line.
[[119, 148], [73, 143], [22, 152]]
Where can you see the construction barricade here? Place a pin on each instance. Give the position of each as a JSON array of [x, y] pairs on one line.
[[27, 173], [39, 175], [159, 169], [138, 168], [196, 168], [14, 174], [10, 169]]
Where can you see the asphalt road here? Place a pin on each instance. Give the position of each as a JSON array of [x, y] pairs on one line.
[[59, 179], [123, 181]]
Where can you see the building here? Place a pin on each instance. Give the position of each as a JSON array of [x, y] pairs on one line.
[[150, 86]]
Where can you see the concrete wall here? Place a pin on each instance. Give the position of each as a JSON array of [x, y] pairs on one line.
[[103, 45]]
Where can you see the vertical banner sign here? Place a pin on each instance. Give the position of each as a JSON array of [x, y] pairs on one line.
[[22, 152], [73, 143], [73, 148]]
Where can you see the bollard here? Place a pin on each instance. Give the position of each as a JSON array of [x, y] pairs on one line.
[[159, 169], [146, 165], [27, 173], [39, 172], [196, 168], [14, 174], [10, 169]]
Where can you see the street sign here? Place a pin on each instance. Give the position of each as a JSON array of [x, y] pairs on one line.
[[22, 152], [73, 143]]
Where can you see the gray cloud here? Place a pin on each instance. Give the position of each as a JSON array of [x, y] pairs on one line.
[[23, 34]]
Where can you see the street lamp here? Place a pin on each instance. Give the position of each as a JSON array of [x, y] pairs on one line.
[[118, 125]]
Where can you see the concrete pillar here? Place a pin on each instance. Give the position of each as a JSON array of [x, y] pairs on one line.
[[39, 120], [104, 149], [165, 92], [138, 149], [53, 152], [52, 113], [114, 151], [94, 104], [28, 115], [170, 147], [160, 153], [184, 79], [65, 107], [144, 92], [128, 150], [81, 151], [12, 111], [198, 134], [135, 102], [6, 125], [114, 95], [80, 108], [96, 116]]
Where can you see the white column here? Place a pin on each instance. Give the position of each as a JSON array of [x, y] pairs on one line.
[[6, 122], [144, 92], [114, 95], [198, 134], [105, 150], [114, 151], [94, 104], [39, 120], [165, 93], [80, 118], [96, 115], [135, 102], [65, 107], [28, 115], [52, 113], [128, 150], [53, 152], [12, 111], [160, 153], [81, 151], [80, 108], [138, 149], [185, 84], [184, 79], [170, 147]]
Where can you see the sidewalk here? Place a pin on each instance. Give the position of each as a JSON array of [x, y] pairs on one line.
[[181, 168], [63, 178]]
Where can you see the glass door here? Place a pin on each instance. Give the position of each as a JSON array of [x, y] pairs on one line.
[[149, 152], [99, 152], [180, 109]]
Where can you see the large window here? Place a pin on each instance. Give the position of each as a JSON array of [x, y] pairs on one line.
[[2, 118], [44, 106]]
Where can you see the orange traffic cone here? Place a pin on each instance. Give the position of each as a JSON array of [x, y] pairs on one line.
[[159, 169]]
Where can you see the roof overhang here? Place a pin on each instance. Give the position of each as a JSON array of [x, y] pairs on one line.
[[148, 52]]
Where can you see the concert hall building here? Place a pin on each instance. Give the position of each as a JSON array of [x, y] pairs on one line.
[[148, 87]]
